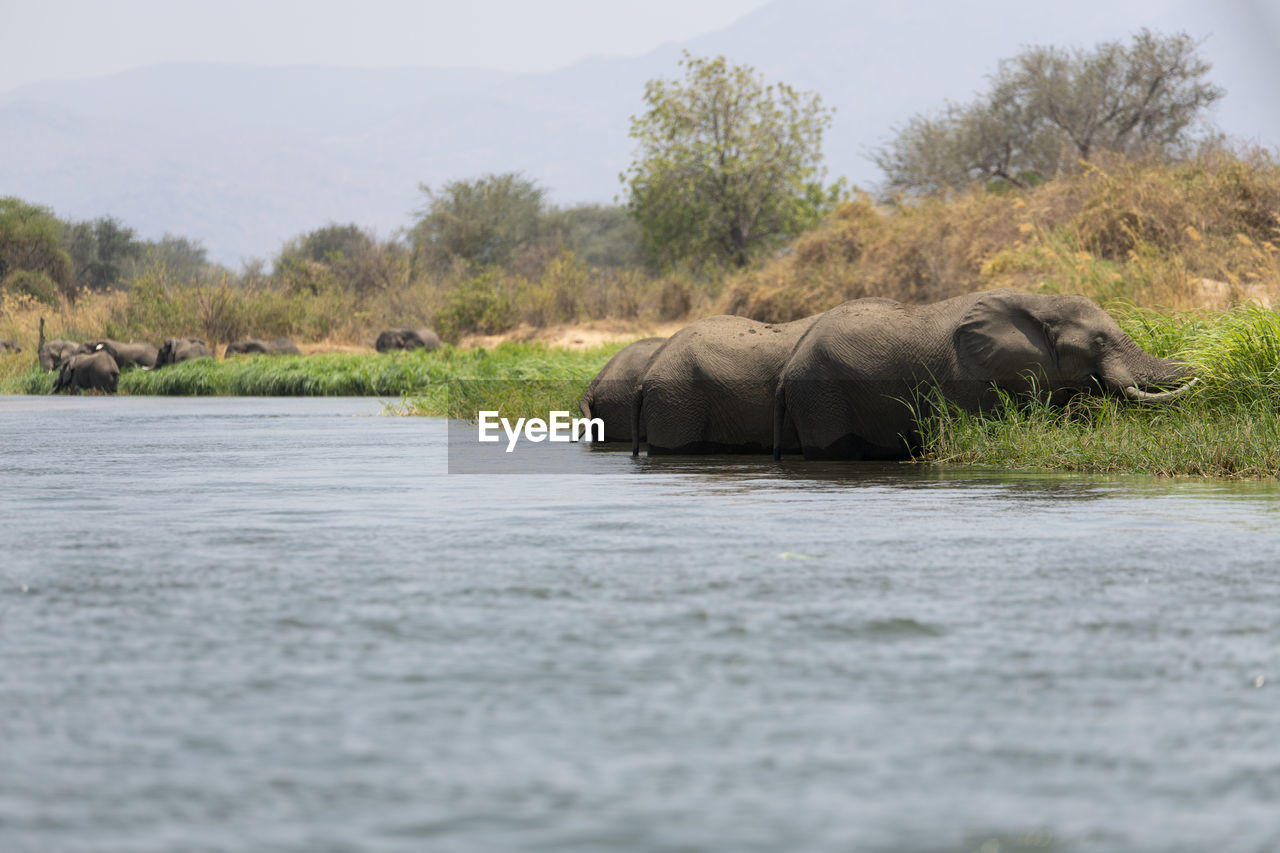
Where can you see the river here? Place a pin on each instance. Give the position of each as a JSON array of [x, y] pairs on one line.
[[281, 624]]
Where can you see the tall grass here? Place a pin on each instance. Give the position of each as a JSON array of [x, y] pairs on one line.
[[1199, 234], [520, 380]]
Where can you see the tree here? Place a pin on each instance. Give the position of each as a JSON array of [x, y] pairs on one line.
[[325, 245], [31, 240], [482, 221], [103, 251], [598, 235], [727, 164], [1049, 108], [183, 258]]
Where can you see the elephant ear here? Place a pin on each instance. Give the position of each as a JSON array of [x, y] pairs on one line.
[[1000, 338]]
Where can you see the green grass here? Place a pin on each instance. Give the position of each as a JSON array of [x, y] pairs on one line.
[[520, 380]]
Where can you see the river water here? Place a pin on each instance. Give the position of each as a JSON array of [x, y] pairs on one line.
[[280, 624]]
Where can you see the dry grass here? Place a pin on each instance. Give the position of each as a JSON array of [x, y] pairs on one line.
[[1201, 234]]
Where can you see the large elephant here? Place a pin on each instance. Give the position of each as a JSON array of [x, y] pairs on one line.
[[710, 387], [423, 338], [127, 355], [182, 349], [51, 354], [850, 386], [275, 346], [95, 371], [610, 394]]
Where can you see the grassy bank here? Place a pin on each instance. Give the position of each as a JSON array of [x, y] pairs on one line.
[[522, 378], [1228, 427]]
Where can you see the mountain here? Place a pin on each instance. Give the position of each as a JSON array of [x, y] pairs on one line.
[[244, 158]]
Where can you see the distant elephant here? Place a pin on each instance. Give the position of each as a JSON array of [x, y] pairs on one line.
[[848, 388], [9, 345], [609, 396], [142, 355], [51, 354], [276, 346], [423, 338], [182, 349], [96, 371], [710, 387]]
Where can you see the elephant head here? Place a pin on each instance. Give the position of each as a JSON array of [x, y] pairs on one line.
[[1062, 343], [851, 384]]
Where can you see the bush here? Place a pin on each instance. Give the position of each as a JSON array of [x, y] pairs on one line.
[[1203, 232], [31, 283], [478, 305]]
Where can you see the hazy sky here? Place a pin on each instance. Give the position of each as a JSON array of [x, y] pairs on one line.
[[59, 39]]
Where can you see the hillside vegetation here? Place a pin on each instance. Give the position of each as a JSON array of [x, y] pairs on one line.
[[1199, 234]]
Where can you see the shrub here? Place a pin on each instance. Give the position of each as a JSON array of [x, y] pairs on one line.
[[31, 283], [480, 305]]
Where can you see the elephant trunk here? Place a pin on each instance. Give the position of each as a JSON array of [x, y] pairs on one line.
[[1132, 372]]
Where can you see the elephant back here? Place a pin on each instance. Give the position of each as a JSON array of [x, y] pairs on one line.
[[710, 388], [609, 396]]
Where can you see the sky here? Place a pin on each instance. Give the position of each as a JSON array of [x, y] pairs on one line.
[[67, 39]]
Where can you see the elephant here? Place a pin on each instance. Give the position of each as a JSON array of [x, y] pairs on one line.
[[127, 355], [182, 349], [710, 387], [423, 338], [276, 346], [51, 354], [849, 386], [88, 371], [9, 345], [609, 395]]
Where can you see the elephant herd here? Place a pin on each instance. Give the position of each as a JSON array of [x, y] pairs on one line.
[[96, 365], [849, 383]]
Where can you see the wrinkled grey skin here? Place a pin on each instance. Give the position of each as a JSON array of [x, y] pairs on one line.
[[609, 396], [848, 388], [51, 354], [182, 349], [126, 355], [276, 346], [710, 387], [9, 345], [93, 371], [407, 339]]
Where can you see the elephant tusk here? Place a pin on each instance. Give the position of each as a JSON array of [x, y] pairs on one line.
[[1140, 396]]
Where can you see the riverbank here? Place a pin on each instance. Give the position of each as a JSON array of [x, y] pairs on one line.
[[527, 377], [1227, 428]]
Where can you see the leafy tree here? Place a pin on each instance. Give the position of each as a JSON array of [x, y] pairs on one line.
[[481, 221], [182, 258], [343, 255], [31, 239], [727, 164], [602, 236], [1049, 108], [104, 252], [327, 244]]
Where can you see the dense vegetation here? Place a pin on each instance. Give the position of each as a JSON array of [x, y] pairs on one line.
[[447, 381], [1080, 171]]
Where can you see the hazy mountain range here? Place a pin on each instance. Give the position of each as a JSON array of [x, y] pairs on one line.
[[244, 158]]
